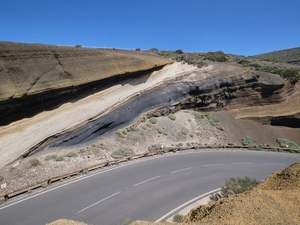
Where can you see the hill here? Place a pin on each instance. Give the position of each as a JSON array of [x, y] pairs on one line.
[[287, 55]]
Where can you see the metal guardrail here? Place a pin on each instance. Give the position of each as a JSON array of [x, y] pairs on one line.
[[48, 181]]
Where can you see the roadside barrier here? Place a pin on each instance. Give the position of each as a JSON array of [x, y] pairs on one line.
[[54, 179]]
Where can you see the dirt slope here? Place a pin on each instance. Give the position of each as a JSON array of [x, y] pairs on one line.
[[276, 201]]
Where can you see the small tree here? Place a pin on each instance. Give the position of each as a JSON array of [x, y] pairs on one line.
[[137, 49]]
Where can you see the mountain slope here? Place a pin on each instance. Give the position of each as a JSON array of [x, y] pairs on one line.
[[287, 55]]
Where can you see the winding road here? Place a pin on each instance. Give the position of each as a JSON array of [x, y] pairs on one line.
[[146, 189]]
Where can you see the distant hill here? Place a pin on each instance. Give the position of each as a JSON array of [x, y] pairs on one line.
[[291, 55]]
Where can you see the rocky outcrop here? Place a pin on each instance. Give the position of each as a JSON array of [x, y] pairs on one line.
[[33, 75]]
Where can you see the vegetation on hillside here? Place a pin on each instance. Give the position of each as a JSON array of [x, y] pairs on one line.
[[238, 185], [288, 55], [256, 63]]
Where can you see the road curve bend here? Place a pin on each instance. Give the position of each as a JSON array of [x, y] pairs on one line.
[[145, 189]]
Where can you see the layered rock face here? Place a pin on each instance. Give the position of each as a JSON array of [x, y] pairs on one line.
[[62, 96], [36, 74]]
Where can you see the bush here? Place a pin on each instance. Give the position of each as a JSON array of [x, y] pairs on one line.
[[153, 120], [121, 133], [218, 56], [122, 152], [48, 157], [285, 143], [172, 116], [78, 46], [71, 154], [238, 185], [197, 116], [179, 51], [137, 49], [34, 162], [177, 218], [248, 141], [59, 158], [1, 178], [154, 50]]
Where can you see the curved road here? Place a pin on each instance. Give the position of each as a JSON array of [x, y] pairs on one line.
[[146, 189]]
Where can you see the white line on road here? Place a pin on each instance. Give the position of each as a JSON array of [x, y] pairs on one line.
[[99, 201], [146, 181], [176, 171], [241, 163], [212, 165], [187, 203]]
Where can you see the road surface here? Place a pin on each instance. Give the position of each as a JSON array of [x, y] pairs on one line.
[[145, 189]]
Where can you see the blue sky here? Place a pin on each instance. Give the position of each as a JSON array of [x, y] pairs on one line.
[[245, 27]]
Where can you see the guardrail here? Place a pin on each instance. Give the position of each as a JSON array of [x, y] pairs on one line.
[[54, 179]]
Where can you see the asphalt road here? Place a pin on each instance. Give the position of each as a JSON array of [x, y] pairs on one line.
[[146, 189]]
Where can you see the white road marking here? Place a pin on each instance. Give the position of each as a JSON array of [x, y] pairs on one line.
[[99, 201], [146, 181], [242, 163], [187, 203], [212, 165], [176, 171]]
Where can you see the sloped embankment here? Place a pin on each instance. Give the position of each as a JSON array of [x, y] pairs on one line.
[[275, 201]]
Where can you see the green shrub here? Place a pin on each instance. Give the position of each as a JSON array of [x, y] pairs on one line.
[[177, 218], [132, 128], [48, 157], [78, 46], [53, 156], [137, 49], [184, 132], [248, 141], [188, 144], [172, 116], [218, 56], [122, 152], [220, 127], [238, 185], [179, 51], [231, 143], [59, 158], [285, 143], [153, 120], [197, 116], [34, 162], [71, 154], [191, 135], [160, 130], [122, 133]]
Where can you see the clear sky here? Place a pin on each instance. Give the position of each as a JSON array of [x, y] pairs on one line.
[[245, 27]]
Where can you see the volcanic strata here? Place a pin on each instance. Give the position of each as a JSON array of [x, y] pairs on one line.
[[60, 96]]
